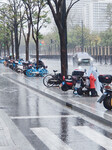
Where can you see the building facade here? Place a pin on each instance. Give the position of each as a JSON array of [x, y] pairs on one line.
[[93, 13]]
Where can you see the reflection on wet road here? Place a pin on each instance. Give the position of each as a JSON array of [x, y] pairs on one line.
[[33, 113]]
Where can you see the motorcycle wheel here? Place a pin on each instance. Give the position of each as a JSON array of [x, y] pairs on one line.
[[43, 72], [107, 103], [79, 91], [65, 87], [24, 72], [19, 70], [46, 80]]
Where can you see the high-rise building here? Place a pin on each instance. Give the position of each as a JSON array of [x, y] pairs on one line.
[[93, 13], [96, 15], [77, 13]]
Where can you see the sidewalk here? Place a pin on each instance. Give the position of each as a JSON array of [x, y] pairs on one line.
[[11, 137]]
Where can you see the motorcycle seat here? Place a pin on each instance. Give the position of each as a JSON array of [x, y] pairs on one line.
[[55, 70]]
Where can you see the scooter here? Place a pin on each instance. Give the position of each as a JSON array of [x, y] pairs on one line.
[[72, 82], [82, 86], [106, 97], [67, 83]]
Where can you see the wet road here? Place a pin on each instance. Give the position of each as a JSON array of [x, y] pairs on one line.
[[54, 64], [46, 124]]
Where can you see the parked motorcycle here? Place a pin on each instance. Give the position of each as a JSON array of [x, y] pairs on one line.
[[72, 82], [67, 84], [21, 68], [76, 82], [106, 89], [2, 60], [82, 86]]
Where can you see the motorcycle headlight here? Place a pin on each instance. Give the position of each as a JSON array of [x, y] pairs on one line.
[[91, 59]]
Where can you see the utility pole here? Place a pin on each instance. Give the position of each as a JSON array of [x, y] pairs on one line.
[[82, 47]]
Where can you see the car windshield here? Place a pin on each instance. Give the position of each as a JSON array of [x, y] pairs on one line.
[[85, 60]]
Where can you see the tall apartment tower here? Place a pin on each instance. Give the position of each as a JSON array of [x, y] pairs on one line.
[[93, 13], [96, 15], [77, 13]]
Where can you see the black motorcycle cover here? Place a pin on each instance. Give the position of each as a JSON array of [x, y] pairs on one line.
[[105, 78]]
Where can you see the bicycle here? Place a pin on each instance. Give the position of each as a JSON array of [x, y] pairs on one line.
[[52, 79], [36, 72]]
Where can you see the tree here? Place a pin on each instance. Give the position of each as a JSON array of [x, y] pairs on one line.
[[106, 38], [7, 14], [60, 13], [15, 7], [38, 20], [109, 14], [52, 41], [4, 30], [75, 36], [27, 19]]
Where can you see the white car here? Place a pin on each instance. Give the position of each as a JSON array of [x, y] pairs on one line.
[[82, 58]]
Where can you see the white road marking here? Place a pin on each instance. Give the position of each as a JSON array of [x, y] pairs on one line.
[[3, 89], [11, 91], [50, 139], [8, 90], [39, 117], [5, 73], [95, 136]]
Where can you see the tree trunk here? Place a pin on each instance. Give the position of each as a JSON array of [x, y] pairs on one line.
[[8, 51], [12, 43], [16, 39], [4, 52], [37, 52], [27, 50], [27, 39], [63, 50], [0, 49], [16, 43]]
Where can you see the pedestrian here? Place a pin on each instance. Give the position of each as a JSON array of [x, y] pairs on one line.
[[92, 85]]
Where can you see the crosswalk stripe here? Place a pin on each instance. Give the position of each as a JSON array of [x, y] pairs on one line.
[[39, 117], [95, 136], [50, 139]]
